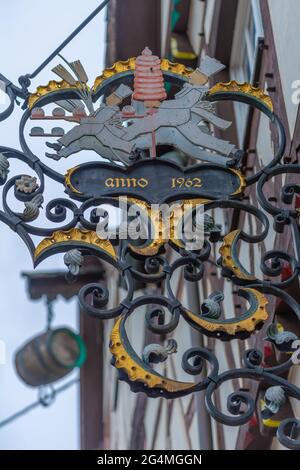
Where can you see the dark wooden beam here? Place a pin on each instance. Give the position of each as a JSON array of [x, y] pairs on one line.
[[91, 384], [53, 284], [132, 25], [222, 30]]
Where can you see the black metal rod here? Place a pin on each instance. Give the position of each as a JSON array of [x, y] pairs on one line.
[[36, 403], [69, 38]]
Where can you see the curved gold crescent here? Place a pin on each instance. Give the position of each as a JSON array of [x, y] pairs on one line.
[[234, 326], [84, 238], [136, 370], [244, 89], [230, 259], [129, 65], [119, 67], [68, 181], [51, 87], [158, 239]]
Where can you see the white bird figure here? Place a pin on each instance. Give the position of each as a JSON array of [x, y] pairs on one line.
[[182, 122]]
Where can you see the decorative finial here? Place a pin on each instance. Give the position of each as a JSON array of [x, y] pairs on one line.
[[211, 306], [73, 259], [147, 51], [282, 340], [4, 166], [274, 400], [32, 208], [155, 353]]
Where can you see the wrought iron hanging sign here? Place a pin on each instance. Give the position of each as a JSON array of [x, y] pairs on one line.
[[132, 115]]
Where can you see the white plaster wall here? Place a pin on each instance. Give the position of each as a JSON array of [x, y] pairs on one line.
[[195, 24], [165, 10], [209, 13], [294, 377], [265, 148], [285, 17]]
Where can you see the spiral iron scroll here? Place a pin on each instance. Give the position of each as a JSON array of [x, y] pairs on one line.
[[74, 226]]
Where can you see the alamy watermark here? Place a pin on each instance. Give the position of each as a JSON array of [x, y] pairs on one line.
[[296, 93], [185, 222], [296, 353]]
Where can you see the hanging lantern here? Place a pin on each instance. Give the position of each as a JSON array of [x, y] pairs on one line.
[[50, 356]]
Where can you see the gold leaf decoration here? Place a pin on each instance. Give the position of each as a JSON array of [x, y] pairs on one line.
[[244, 88], [228, 259], [52, 86], [129, 65], [119, 67], [163, 232], [84, 237], [233, 327], [68, 181], [134, 369], [243, 183]]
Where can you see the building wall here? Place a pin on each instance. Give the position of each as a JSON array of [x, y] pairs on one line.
[[165, 23], [232, 30], [285, 18], [275, 23]]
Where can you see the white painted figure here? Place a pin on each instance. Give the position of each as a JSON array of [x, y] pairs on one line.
[[183, 122]]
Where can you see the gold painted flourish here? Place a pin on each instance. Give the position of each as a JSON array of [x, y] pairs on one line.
[[239, 325], [129, 65], [83, 237], [134, 369], [228, 259], [68, 181], [244, 88], [52, 86], [158, 240], [243, 183], [119, 67]]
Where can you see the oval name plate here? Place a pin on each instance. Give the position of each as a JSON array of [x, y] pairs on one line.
[[155, 181]]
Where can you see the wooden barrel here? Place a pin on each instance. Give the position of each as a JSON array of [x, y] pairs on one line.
[[50, 356]]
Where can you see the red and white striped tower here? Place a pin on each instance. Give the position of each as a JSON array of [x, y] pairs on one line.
[[148, 79]]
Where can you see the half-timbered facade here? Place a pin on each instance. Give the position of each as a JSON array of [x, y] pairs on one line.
[[257, 41]]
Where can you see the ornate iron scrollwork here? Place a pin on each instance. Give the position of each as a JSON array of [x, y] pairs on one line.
[[74, 227]]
